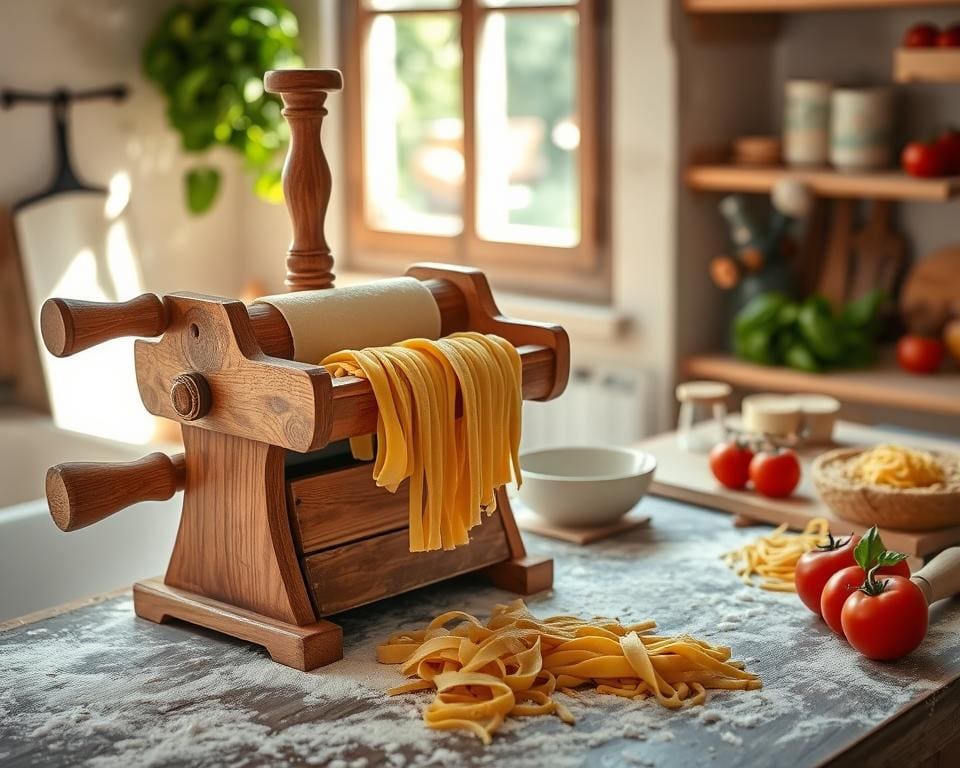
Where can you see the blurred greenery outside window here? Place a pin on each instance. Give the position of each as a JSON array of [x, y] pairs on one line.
[[477, 126]]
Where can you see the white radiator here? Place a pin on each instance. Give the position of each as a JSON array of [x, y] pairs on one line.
[[601, 406]]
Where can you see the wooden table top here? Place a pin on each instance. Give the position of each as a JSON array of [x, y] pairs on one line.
[[99, 686]]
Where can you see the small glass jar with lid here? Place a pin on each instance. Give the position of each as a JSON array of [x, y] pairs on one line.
[[703, 409]]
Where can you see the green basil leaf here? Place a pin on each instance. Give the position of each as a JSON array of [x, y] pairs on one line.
[[869, 548], [202, 187], [888, 557]]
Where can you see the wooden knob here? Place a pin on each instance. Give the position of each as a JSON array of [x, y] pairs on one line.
[[306, 173], [69, 326], [190, 396], [82, 493]]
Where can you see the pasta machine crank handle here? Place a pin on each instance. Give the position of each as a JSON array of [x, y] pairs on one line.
[[69, 326], [82, 493]]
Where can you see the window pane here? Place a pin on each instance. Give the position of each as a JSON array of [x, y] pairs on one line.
[[413, 124], [528, 129], [409, 5]]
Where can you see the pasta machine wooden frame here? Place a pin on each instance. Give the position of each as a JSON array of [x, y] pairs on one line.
[[266, 550]]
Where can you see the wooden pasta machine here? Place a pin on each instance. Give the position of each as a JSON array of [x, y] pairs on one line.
[[280, 527]]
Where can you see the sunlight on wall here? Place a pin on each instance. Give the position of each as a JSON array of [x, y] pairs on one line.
[[78, 246]]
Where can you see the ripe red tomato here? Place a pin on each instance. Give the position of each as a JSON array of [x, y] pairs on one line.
[[921, 36], [730, 464], [775, 474], [922, 159], [889, 624], [919, 354], [949, 37], [948, 145], [814, 569], [844, 583]]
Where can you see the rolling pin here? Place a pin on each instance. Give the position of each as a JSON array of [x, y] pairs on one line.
[[83, 493], [940, 578]]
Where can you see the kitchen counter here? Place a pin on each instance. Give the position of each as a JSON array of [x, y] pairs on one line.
[[100, 687]]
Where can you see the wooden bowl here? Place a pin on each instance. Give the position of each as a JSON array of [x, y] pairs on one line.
[[906, 509]]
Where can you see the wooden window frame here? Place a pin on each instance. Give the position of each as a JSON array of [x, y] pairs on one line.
[[581, 272]]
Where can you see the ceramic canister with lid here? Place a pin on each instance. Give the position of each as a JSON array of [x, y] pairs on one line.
[[806, 125], [861, 128]]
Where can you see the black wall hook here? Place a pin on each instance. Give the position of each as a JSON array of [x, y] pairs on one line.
[[65, 178]]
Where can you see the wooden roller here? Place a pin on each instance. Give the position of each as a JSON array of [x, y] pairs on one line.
[[209, 368], [83, 493], [69, 326]]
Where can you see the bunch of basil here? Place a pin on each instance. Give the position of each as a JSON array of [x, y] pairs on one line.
[[208, 57], [773, 329]]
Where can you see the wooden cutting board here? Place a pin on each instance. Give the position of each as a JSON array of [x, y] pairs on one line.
[[932, 287], [879, 253], [686, 476], [527, 520], [21, 375]]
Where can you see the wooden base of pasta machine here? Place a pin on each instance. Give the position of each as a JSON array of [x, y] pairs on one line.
[[302, 647]]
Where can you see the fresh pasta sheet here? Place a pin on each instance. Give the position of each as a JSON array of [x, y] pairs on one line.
[[773, 557], [454, 464], [514, 664]]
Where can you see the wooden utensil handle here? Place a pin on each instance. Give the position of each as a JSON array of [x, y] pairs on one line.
[[69, 326], [82, 493], [940, 578]]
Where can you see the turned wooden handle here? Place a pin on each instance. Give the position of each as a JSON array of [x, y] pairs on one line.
[[940, 578], [69, 326], [306, 173], [82, 493]]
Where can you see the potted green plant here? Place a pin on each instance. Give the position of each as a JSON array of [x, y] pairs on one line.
[[208, 57]]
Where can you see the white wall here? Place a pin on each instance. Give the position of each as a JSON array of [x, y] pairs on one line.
[[87, 43], [644, 169]]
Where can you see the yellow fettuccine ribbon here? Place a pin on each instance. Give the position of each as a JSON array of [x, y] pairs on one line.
[[513, 665], [454, 465]]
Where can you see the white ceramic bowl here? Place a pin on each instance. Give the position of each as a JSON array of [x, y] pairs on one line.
[[584, 487]]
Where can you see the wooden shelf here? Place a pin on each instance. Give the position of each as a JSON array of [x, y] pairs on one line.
[[790, 6], [885, 385], [889, 185], [926, 65]]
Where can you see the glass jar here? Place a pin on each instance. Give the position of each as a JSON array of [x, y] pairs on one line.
[[703, 409]]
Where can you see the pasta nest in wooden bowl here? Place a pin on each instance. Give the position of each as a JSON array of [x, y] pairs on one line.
[[890, 486]]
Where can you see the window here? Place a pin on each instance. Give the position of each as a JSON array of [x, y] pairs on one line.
[[473, 132]]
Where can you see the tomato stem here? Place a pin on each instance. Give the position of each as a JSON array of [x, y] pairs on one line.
[[873, 586], [833, 543]]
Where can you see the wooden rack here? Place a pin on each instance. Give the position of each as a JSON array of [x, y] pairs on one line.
[[825, 182], [836, 193], [926, 65], [884, 385]]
